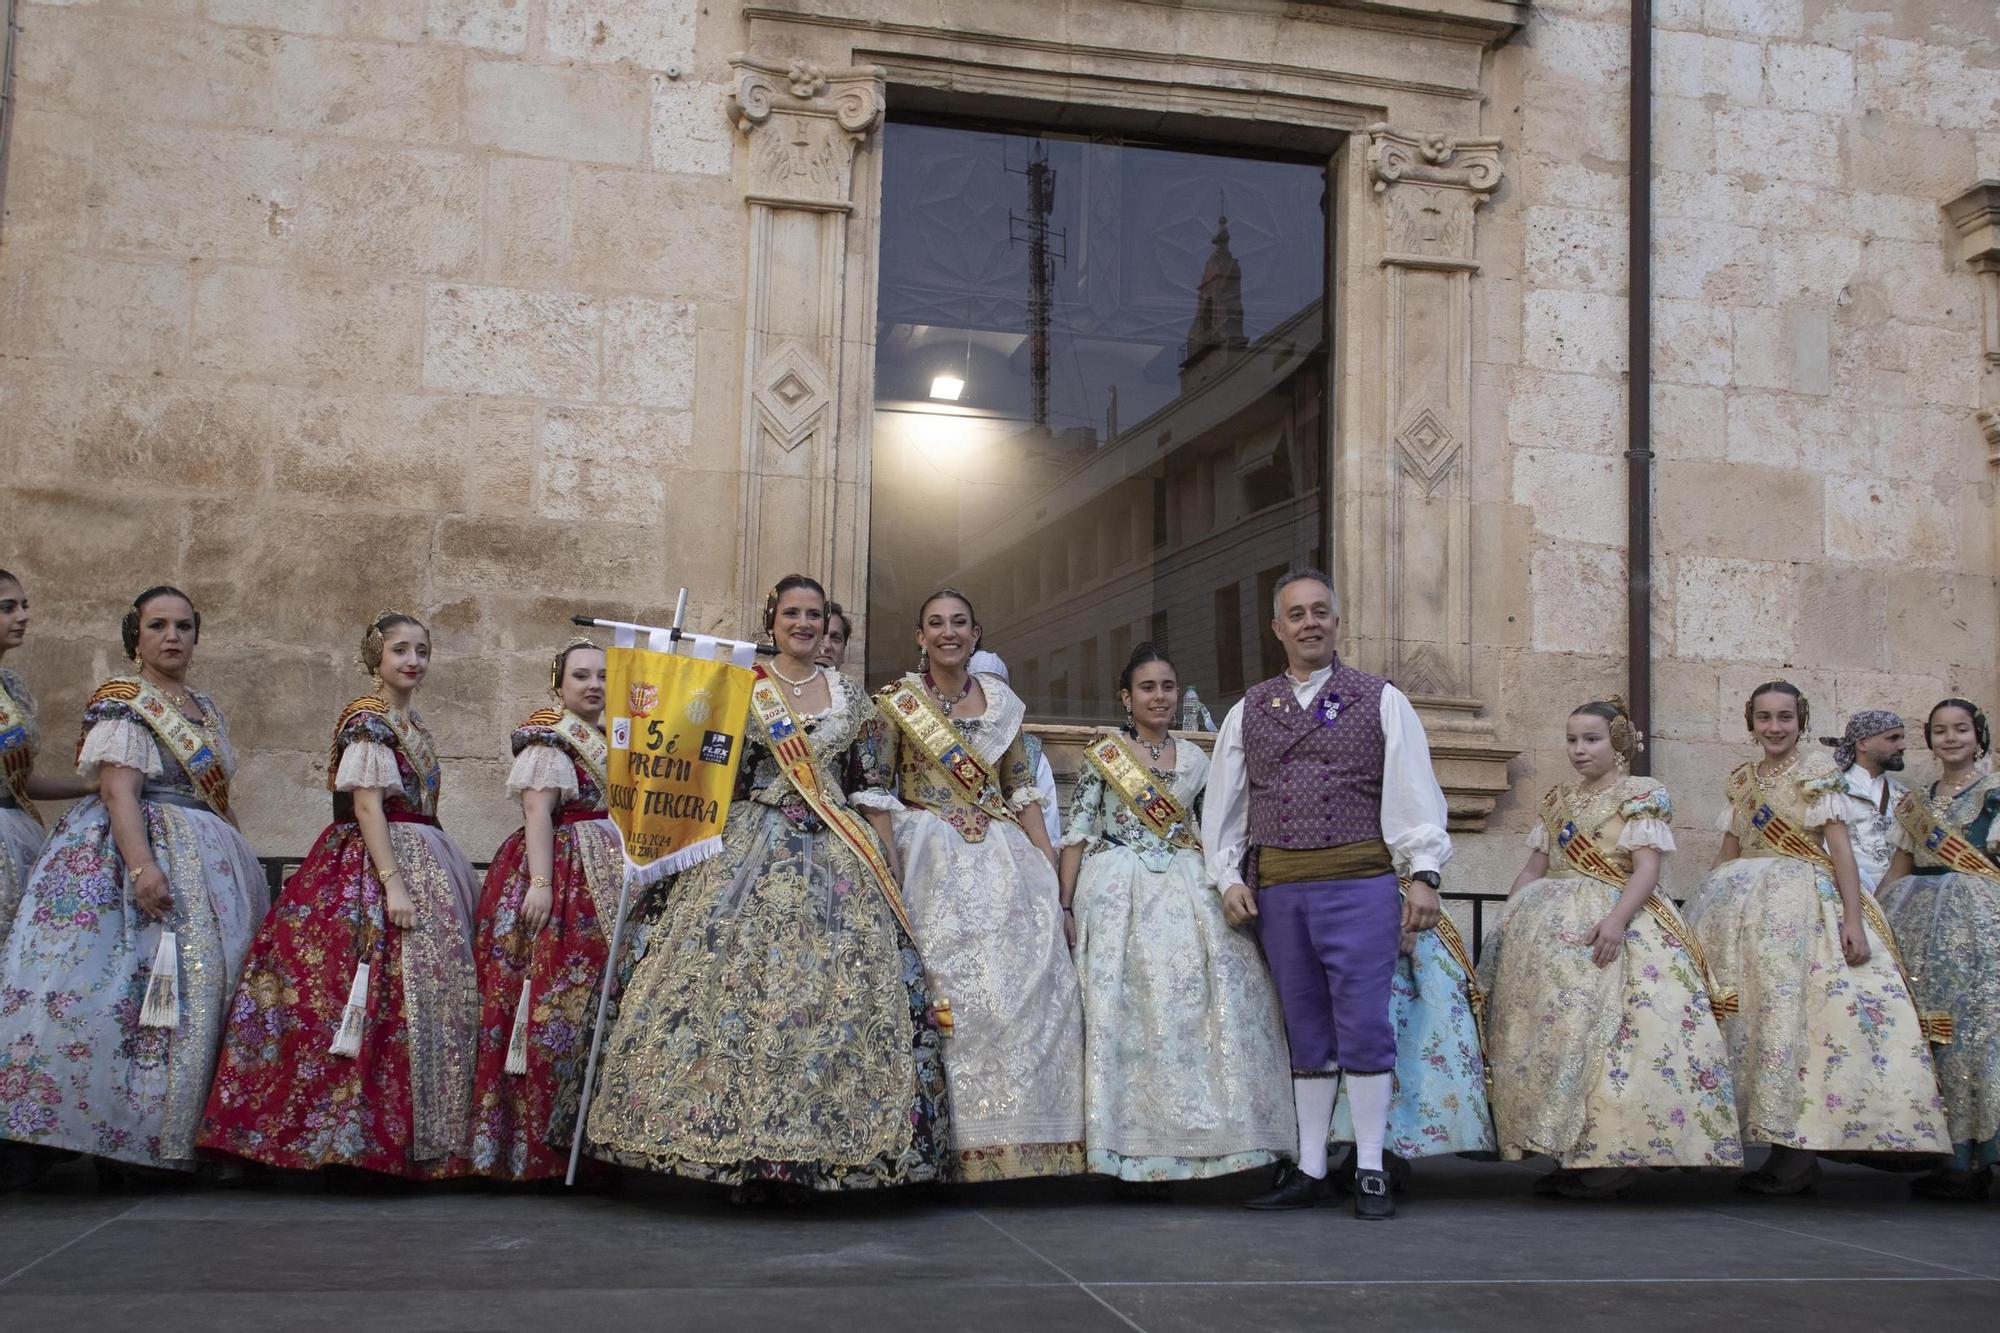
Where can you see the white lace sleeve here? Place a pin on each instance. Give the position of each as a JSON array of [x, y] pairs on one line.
[[365, 765], [874, 798], [1538, 838], [1726, 820], [1900, 840], [117, 741], [1654, 833], [542, 768]]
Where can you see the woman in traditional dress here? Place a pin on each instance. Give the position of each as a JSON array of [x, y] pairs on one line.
[[22, 828], [352, 1035], [1605, 1049], [1186, 1072], [543, 930], [135, 918], [1438, 1105], [1942, 896], [952, 791], [1825, 1044], [775, 1034]]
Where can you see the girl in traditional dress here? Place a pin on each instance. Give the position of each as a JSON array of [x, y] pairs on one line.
[[1438, 1105], [544, 930], [952, 790], [1186, 1072], [22, 826], [135, 918], [352, 1036], [776, 1034], [1606, 1053], [1942, 896], [1824, 1040]]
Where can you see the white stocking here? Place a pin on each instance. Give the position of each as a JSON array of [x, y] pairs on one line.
[[1314, 1098], [1368, 1100]]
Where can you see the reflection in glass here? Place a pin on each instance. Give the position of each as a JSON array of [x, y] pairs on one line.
[[1101, 404]]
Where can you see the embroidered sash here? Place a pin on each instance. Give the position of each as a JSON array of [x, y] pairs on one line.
[[182, 738], [1152, 804], [1781, 835], [411, 739], [584, 742], [1454, 944], [1580, 849], [1941, 841], [944, 745], [17, 758], [786, 736]]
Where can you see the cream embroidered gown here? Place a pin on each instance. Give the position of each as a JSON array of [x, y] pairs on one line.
[[1603, 1067], [1825, 1056], [988, 918], [1186, 1073]]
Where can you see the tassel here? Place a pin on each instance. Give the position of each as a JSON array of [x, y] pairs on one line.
[[1937, 1027], [163, 988], [347, 1041], [1726, 1005], [517, 1042], [941, 1016]]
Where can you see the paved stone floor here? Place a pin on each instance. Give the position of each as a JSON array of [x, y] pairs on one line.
[[1471, 1251]]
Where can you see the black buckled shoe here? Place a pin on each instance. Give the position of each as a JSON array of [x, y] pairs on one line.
[[1291, 1188], [1371, 1196]]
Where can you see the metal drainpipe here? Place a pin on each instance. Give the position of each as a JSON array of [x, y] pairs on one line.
[[1639, 404], [7, 99]]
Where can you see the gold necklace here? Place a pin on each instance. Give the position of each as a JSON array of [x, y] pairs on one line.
[[181, 696], [1940, 802], [1769, 784]]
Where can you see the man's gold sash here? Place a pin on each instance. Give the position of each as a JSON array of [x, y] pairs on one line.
[[581, 739], [183, 739], [1152, 804], [1579, 848], [1788, 839], [17, 760], [944, 745], [1941, 841], [786, 736]]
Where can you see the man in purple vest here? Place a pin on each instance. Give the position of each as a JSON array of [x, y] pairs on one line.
[[1320, 792]]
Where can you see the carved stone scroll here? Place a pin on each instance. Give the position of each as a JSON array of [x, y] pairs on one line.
[[804, 125]]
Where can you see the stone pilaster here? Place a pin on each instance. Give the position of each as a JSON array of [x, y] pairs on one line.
[[1975, 217], [1429, 188], [804, 125]]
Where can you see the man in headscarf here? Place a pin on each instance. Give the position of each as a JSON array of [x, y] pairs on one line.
[[1868, 752], [1045, 777]]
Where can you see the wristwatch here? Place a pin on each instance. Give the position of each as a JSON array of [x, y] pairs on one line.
[[1429, 877]]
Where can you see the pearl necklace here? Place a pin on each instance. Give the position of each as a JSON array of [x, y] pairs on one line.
[[948, 704], [1767, 785], [798, 686]]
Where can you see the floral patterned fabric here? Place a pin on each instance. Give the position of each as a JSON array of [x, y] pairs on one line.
[[77, 1071], [987, 911], [775, 1021], [1824, 1056], [1439, 1100], [1186, 1073], [1596, 1067], [1948, 924], [522, 1124], [402, 1105], [21, 835]]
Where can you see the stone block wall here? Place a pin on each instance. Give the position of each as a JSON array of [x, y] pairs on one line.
[[1823, 507], [316, 307]]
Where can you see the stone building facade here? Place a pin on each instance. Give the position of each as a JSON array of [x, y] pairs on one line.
[[506, 309]]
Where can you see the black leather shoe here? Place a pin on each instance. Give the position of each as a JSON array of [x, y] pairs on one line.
[[1291, 1188], [1371, 1196]]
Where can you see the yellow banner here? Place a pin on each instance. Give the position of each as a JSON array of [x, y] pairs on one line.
[[675, 727]]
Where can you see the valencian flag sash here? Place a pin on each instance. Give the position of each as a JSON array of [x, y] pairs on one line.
[[1150, 803], [17, 761], [675, 738], [182, 738], [1783, 836], [944, 745], [1579, 848], [1941, 842], [786, 736]]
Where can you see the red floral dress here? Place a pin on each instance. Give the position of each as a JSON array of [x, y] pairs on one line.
[[400, 1105], [522, 1123]]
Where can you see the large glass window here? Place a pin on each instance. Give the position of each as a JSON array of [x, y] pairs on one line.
[[1101, 403]]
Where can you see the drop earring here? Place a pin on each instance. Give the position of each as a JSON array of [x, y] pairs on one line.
[[923, 661]]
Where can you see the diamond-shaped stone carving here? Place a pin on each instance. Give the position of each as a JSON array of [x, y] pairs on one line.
[[791, 394], [1429, 449]]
